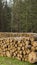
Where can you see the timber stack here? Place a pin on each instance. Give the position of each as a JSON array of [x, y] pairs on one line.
[[23, 48]]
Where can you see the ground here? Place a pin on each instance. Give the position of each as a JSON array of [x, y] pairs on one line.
[[11, 61]]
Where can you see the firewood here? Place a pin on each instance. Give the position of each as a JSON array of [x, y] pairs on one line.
[[10, 40], [26, 57], [10, 44], [23, 48], [33, 48], [4, 46], [18, 48], [22, 59], [13, 51], [14, 54], [18, 55], [4, 53], [7, 41], [28, 51], [16, 45], [1, 54], [8, 54], [31, 39], [34, 43], [11, 47], [18, 58], [0, 41], [27, 38], [24, 52], [20, 44], [3, 41], [8, 48], [26, 44], [20, 52], [32, 58], [0, 51]]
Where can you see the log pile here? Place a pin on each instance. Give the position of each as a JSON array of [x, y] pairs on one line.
[[10, 34], [22, 48]]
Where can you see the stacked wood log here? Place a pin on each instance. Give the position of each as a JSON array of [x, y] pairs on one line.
[[22, 48], [10, 34]]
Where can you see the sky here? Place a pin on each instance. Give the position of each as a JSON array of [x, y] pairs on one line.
[[7, 0]]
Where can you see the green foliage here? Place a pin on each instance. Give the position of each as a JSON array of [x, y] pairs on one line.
[[5, 16], [20, 17], [11, 61], [24, 14]]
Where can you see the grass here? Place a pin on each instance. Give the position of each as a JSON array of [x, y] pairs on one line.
[[11, 61]]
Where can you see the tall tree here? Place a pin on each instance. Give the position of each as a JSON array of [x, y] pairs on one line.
[[24, 14], [6, 17], [1, 15]]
